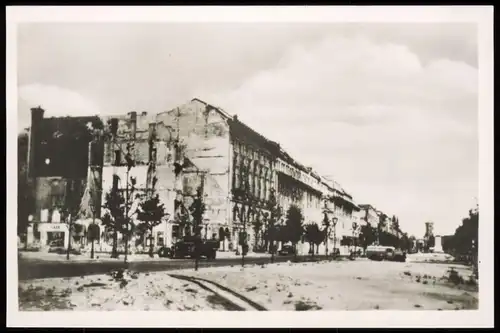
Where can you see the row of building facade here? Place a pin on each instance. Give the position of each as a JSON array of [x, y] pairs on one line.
[[193, 145]]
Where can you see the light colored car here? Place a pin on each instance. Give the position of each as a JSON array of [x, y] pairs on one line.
[[378, 252]]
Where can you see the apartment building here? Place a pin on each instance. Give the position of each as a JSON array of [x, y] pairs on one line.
[[197, 145]]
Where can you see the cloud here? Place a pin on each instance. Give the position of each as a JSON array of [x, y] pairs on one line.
[[396, 132], [56, 102], [390, 110]]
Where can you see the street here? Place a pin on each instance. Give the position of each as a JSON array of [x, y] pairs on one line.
[[39, 269], [323, 285]]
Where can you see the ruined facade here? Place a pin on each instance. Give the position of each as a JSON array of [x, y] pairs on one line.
[[56, 161], [197, 145]]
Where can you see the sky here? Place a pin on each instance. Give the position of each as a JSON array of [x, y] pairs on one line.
[[390, 111]]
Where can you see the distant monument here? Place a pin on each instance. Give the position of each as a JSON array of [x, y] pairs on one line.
[[438, 244]]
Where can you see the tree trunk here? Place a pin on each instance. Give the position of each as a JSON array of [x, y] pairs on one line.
[[295, 251], [151, 245], [114, 249], [326, 241], [69, 238]]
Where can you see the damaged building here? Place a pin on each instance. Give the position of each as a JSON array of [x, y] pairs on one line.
[[196, 145], [55, 158]]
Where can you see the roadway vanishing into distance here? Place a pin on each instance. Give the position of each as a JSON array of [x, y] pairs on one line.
[[39, 269]]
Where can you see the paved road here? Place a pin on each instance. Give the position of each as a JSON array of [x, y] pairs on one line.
[[31, 269]]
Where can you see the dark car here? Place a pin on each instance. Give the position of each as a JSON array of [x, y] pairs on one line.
[[164, 252], [286, 250], [183, 249], [399, 256]]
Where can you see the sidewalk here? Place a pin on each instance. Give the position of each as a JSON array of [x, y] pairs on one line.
[[232, 254], [105, 257]]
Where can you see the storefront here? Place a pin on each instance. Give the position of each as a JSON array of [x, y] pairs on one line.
[[53, 234]]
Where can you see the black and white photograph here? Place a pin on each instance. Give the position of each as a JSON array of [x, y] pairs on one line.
[[203, 163]]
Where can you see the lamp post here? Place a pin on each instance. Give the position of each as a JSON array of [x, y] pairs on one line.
[[30, 219], [167, 219], [334, 224], [326, 224], [205, 223]]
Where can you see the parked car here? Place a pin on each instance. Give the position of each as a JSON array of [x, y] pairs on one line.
[[183, 249], [286, 250], [164, 252], [399, 255], [379, 253], [335, 252], [259, 249], [389, 253]]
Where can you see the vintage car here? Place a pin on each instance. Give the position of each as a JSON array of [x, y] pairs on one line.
[[379, 253], [286, 250], [390, 253], [399, 255], [164, 252], [186, 249]]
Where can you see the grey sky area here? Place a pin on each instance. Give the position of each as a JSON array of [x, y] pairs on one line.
[[388, 110]]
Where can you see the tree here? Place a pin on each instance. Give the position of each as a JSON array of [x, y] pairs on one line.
[[465, 239], [257, 226], [71, 207], [380, 226], [197, 210], [367, 236], [273, 216], [326, 231], [318, 237], [313, 236], [88, 208], [294, 228], [151, 212], [354, 230], [117, 216], [395, 223]]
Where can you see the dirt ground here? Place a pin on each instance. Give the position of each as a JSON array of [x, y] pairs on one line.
[[352, 285], [343, 285]]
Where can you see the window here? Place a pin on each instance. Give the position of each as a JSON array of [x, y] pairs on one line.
[[175, 231], [236, 173], [118, 157], [235, 213], [56, 200], [160, 240]]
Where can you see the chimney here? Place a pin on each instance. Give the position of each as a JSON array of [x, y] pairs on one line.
[[113, 124], [152, 131], [133, 124], [36, 115], [152, 147]]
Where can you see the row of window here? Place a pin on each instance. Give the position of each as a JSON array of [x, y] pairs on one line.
[[258, 186], [252, 153], [252, 171], [141, 152]]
